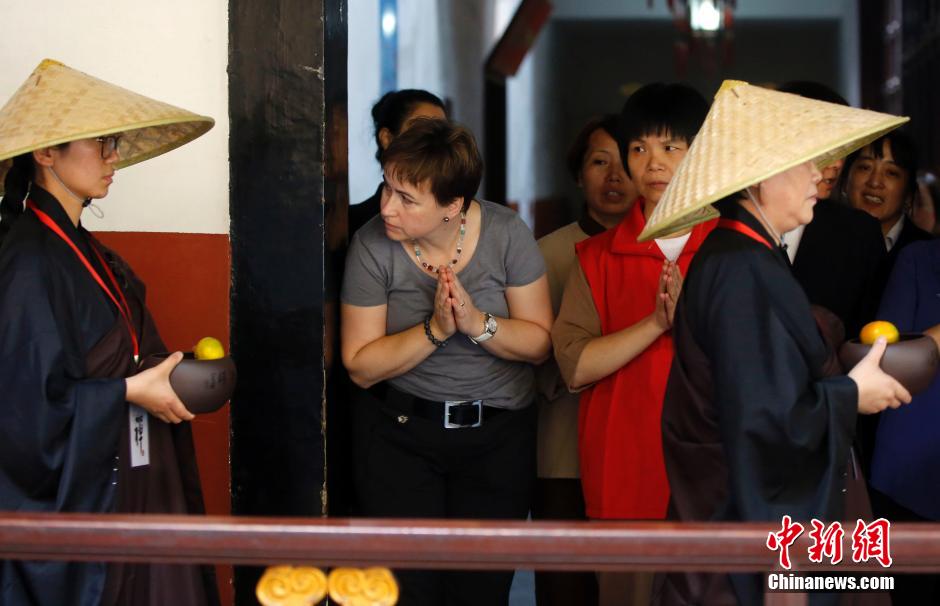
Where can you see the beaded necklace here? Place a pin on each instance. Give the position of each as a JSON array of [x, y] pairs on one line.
[[461, 233]]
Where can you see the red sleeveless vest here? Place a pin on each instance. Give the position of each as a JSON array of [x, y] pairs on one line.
[[620, 435]]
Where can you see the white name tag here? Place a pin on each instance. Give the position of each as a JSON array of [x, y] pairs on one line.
[[140, 436]]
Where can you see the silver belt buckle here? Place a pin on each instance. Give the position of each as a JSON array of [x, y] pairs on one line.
[[448, 404]]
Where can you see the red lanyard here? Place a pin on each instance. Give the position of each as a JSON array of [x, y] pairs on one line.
[[741, 228], [122, 306]]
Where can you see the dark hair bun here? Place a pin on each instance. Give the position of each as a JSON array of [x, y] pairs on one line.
[[393, 109]]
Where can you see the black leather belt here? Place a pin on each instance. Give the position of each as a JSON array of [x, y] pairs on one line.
[[451, 415]]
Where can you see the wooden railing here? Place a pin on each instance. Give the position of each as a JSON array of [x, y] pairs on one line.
[[328, 542]]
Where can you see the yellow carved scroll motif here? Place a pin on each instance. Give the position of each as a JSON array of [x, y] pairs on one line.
[[305, 586], [369, 587], [292, 586]]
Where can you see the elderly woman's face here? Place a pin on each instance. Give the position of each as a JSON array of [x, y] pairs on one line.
[[411, 211], [788, 197], [878, 185], [608, 191]]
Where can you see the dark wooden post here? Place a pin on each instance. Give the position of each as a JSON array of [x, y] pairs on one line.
[[871, 19], [494, 129], [282, 54]]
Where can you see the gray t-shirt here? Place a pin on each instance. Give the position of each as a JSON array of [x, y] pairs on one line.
[[379, 272]]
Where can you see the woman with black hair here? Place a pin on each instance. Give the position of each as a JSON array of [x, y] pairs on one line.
[[81, 430], [594, 163], [392, 114], [612, 337], [881, 179]]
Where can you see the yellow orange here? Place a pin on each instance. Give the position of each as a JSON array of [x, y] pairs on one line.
[[879, 328], [208, 348]]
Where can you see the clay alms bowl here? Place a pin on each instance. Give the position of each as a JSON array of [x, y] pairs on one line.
[[201, 385], [912, 360]]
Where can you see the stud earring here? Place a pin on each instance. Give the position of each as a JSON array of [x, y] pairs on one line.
[[446, 219]]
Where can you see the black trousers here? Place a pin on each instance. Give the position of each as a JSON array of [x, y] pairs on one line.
[[562, 499], [411, 467]]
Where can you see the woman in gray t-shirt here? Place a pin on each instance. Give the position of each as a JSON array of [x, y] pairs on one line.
[[445, 308]]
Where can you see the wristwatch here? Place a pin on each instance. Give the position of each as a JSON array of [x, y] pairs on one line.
[[489, 328]]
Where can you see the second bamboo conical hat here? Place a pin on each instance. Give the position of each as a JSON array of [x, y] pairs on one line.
[[58, 104], [751, 134]]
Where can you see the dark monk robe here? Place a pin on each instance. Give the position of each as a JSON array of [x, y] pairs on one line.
[[65, 434], [755, 425]]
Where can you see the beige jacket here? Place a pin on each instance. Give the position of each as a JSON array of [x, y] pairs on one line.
[[558, 408]]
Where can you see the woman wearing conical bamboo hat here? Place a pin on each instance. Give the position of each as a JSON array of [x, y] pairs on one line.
[[80, 429], [755, 423]]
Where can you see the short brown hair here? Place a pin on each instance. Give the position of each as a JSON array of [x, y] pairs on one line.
[[440, 152]]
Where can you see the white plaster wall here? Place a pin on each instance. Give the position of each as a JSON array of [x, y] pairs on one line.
[[172, 50], [420, 61], [521, 129], [466, 36], [532, 127], [850, 58], [430, 56], [363, 83]]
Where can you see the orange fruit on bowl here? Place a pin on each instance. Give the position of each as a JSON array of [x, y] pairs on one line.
[[879, 328], [209, 348]]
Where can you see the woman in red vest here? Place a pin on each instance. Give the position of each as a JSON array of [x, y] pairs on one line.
[[612, 336]]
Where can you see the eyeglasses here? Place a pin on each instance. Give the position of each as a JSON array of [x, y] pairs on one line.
[[109, 145]]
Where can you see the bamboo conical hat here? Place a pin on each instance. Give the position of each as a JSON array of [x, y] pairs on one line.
[[58, 104], [751, 134]]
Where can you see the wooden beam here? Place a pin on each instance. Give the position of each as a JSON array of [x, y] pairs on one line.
[[454, 544]]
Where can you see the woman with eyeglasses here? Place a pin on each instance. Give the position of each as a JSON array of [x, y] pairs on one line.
[[81, 430]]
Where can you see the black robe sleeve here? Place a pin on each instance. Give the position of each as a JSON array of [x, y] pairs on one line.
[[786, 429], [58, 430]]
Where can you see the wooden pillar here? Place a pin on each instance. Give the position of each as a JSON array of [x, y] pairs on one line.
[[921, 31], [871, 19], [494, 128], [287, 88]]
